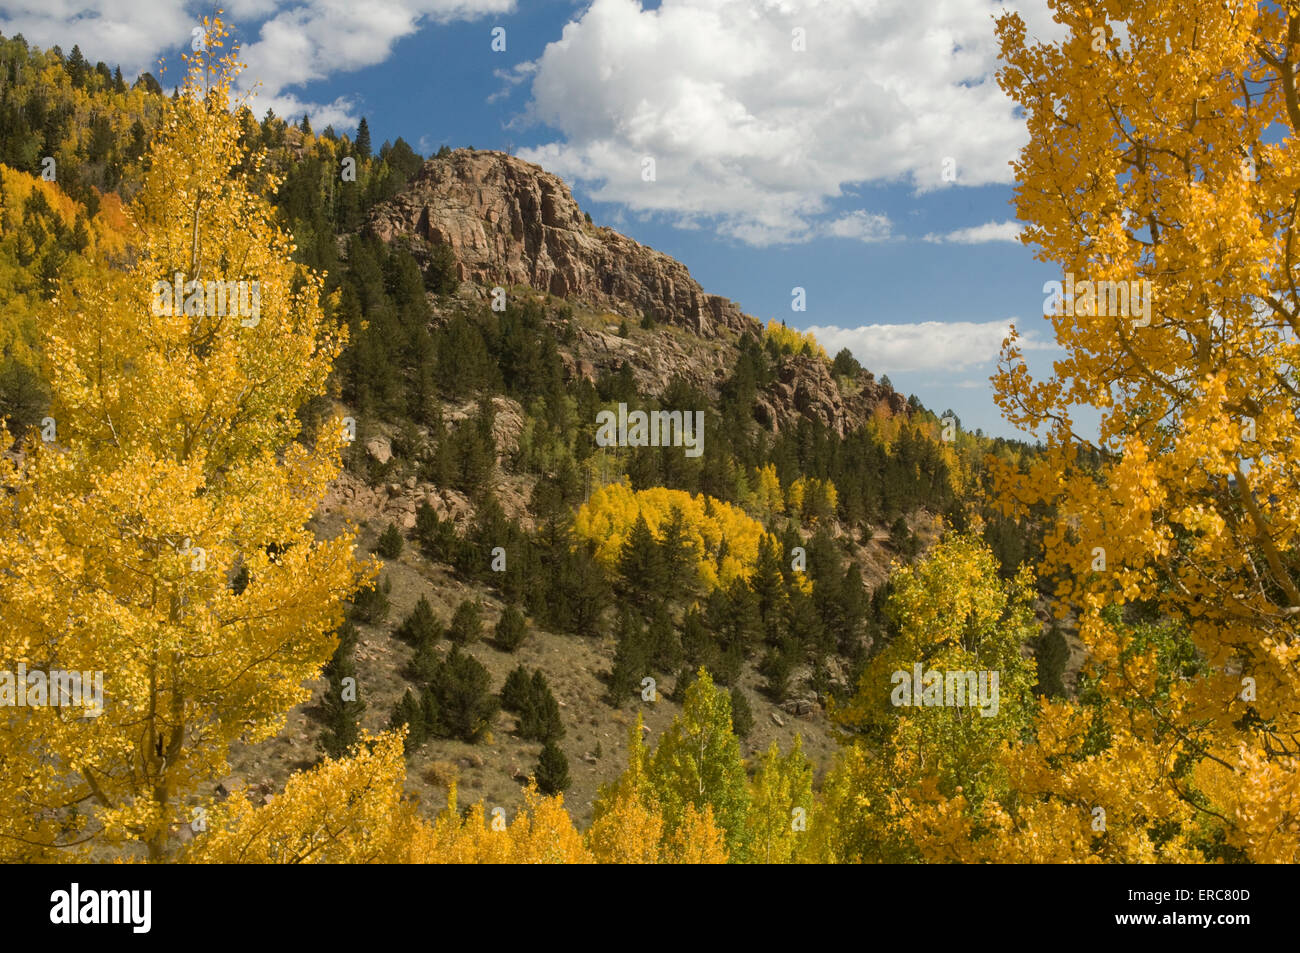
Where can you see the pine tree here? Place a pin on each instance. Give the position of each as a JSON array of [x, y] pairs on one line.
[[370, 605], [845, 364], [76, 67], [698, 649], [426, 663], [511, 629], [347, 635], [742, 715], [467, 623], [732, 618], [390, 542], [663, 644], [517, 690], [639, 562], [437, 537], [1052, 654], [552, 769], [421, 627], [539, 720], [362, 145], [341, 715], [410, 713], [465, 703], [848, 612], [631, 658], [676, 554], [777, 665]]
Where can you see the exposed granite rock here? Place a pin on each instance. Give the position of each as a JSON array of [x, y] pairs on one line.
[[511, 222]]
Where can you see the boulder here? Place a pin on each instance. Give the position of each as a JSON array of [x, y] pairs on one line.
[[379, 449]]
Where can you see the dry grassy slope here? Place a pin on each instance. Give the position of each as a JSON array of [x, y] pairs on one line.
[[575, 666], [495, 770]]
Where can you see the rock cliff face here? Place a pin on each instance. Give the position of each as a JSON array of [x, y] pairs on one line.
[[804, 387], [511, 222]]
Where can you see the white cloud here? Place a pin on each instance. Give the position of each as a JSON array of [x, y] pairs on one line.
[[864, 226], [313, 40], [130, 35], [926, 346], [1008, 231], [341, 113], [759, 138]]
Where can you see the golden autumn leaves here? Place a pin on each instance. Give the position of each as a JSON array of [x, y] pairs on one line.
[[1151, 159], [176, 435]]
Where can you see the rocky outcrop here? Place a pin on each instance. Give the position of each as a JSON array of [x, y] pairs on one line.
[[511, 222], [804, 387]]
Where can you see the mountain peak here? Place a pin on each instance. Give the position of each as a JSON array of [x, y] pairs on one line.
[[511, 222]]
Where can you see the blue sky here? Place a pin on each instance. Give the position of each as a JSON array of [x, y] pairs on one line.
[[858, 149]]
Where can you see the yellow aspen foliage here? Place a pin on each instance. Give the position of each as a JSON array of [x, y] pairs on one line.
[[176, 464], [697, 762], [780, 806], [845, 826], [697, 839], [32, 212], [628, 831], [541, 833], [1160, 177], [794, 339], [1064, 805], [930, 718], [794, 495], [767, 494], [661, 808], [627, 827], [1264, 804], [813, 499], [724, 538], [345, 811]]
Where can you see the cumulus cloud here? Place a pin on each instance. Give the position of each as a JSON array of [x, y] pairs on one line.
[[759, 137], [864, 226], [341, 113], [131, 35], [926, 346], [310, 41], [1008, 231]]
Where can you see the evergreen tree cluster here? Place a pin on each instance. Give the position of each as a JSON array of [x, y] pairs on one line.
[[342, 707], [453, 698], [529, 697]]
